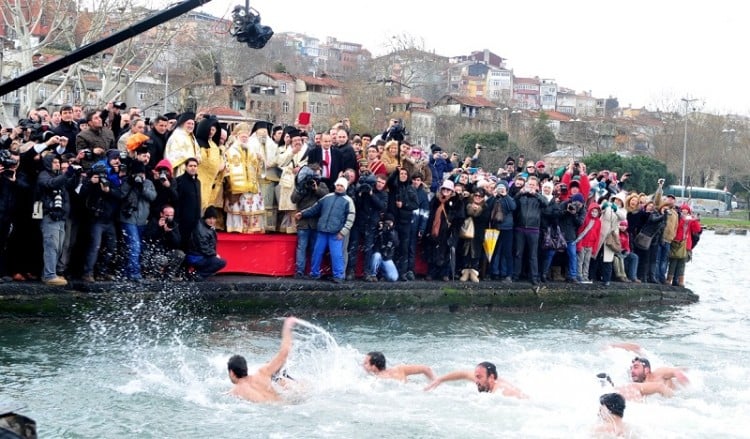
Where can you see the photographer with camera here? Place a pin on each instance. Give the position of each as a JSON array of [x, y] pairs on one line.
[[8, 190], [166, 188], [370, 201], [402, 200], [395, 131], [138, 193], [161, 254], [576, 180], [52, 189], [439, 166], [101, 196], [308, 190], [97, 139]]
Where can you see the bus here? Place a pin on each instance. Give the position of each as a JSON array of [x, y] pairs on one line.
[[703, 200]]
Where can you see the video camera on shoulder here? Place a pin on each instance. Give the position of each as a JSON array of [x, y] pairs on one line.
[[120, 105]]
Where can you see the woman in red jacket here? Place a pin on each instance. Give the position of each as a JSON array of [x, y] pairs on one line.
[[687, 226]]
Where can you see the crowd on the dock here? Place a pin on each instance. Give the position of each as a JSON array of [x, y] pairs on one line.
[[109, 194]]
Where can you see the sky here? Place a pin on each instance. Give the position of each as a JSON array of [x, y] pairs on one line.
[[644, 53]]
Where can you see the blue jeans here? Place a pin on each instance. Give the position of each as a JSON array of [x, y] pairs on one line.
[[335, 247], [53, 238], [527, 243], [132, 237], [389, 268], [205, 266], [662, 261], [364, 236], [570, 250], [630, 260], [305, 242], [100, 232], [502, 258]]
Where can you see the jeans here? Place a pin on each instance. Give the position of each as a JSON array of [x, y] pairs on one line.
[[100, 232], [662, 261], [132, 237], [502, 258], [206, 266], [53, 238], [527, 240], [584, 258], [335, 247], [305, 242], [570, 250], [389, 268], [360, 236], [631, 265]]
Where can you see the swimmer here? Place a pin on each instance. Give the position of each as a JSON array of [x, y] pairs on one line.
[[611, 411], [486, 379], [647, 382], [374, 363], [258, 388]]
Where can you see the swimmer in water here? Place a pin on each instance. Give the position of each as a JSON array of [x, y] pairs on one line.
[[648, 382], [486, 379], [258, 387], [374, 363], [611, 411]]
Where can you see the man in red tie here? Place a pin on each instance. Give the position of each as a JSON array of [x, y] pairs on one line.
[[328, 158]]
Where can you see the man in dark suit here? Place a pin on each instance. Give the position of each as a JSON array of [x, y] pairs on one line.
[[329, 159]]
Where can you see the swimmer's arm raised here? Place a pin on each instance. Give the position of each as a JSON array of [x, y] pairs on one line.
[[416, 369], [632, 347], [278, 361], [451, 376], [667, 373]]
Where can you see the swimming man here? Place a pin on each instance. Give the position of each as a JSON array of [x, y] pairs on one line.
[[258, 388], [374, 363], [647, 382], [486, 379], [611, 411]]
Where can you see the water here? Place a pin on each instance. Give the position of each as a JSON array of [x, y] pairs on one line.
[[158, 370]]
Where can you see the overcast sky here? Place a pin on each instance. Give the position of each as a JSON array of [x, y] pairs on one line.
[[645, 53]]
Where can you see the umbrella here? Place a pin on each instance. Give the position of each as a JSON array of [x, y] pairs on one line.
[[490, 240]]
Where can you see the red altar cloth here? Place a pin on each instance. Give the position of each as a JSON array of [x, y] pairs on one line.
[[273, 254]]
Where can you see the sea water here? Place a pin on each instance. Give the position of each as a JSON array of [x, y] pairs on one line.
[[157, 369]]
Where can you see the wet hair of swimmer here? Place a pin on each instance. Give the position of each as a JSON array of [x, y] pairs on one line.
[[238, 365], [643, 361], [614, 402], [489, 367], [377, 359]]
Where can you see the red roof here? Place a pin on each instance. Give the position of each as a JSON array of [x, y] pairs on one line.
[[476, 101], [281, 76], [325, 82]]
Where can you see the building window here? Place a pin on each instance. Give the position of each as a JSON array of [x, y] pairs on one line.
[[285, 107], [141, 96], [282, 87]]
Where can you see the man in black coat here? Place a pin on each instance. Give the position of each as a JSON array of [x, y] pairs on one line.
[[68, 128], [329, 159], [158, 135], [188, 201]]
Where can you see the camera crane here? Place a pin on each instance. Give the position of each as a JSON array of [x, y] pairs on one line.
[[101, 45]]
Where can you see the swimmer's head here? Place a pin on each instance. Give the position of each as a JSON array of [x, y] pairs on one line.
[[237, 366], [614, 402], [485, 375], [375, 360], [638, 370]]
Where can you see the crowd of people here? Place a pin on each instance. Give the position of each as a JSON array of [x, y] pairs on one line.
[[112, 194]]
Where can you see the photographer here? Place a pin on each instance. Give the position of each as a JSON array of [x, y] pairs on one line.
[[162, 255], [97, 139], [308, 190], [8, 190], [138, 193], [370, 201], [166, 188], [385, 245], [402, 200], [52, 189], [571, 219], [395, 131], [528, 216], [576, 180], [439, 166], [101, 196]]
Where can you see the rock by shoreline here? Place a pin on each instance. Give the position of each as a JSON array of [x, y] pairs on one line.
[[229, 294]]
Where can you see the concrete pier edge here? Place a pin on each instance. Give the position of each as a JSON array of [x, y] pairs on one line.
[[229, 294]]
